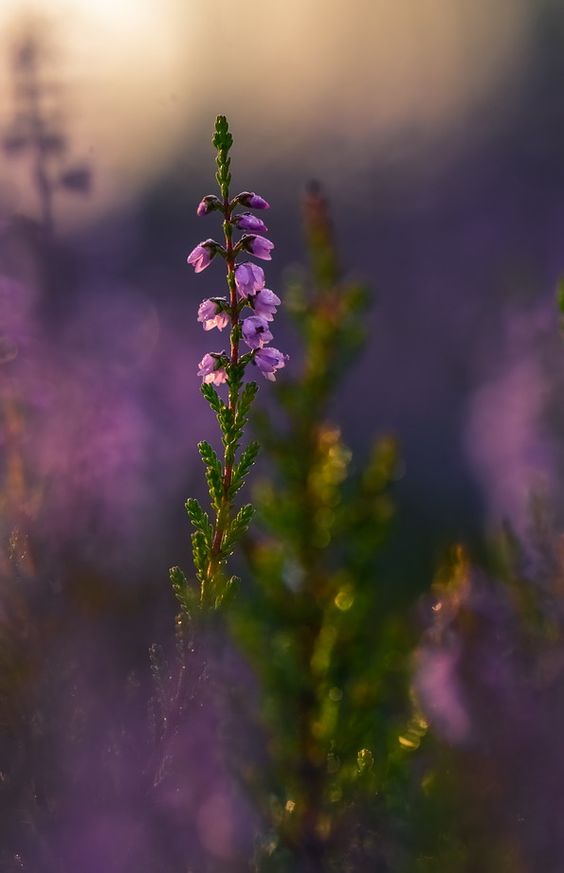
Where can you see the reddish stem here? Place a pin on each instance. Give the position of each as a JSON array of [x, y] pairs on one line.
[[233, 396]]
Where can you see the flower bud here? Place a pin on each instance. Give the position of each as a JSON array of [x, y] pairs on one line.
[[269, 360], [256, 245], [208, 204], [249, 279], [202, 256], [265, 303], [248, 221], [255, 331], [211, 370], [251, 200], [211, 314]]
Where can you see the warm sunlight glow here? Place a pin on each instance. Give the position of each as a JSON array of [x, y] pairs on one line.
[[117, 68], [139, 79]]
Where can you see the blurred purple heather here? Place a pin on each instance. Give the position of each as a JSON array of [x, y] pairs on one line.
[[458, 231]]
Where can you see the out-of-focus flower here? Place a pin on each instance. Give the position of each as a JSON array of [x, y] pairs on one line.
[[268, 360], [202, 256], [256, 332], [211, 370], [252, 200], [211, 314], [208, 204], [248, 221], [256, 245], [249, 279], [265, 303], [439, 691]]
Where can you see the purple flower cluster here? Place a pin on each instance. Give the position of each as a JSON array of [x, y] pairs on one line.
[[250, 287]]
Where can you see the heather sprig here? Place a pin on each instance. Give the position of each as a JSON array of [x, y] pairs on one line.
[[214, 539]]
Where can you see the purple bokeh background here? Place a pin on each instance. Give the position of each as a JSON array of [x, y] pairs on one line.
[[461, 242]]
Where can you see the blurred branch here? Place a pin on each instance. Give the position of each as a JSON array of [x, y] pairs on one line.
[[36, 131]]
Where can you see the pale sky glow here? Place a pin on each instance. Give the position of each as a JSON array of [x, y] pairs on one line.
[[137, 74], [119, 65], [390, 60]]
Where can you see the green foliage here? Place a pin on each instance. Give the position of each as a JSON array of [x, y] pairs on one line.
[[241, 470], [248, 395], [185, 595], [199, 519], [323, 631], [224, 481], [214, 473], [222, 142], [237, 528], [212, 397]]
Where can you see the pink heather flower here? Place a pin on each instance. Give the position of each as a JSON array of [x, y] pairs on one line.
[[268, 360], [249, 279], [252, 200], [201, 257], [211, 314], [210, 369], [208, 204], [248, 221], [256, 245], [265, 303], [255, 331]]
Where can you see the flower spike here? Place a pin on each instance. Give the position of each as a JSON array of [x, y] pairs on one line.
[[213, 538]]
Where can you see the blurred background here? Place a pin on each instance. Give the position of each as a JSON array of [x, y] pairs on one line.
[[437, 131]]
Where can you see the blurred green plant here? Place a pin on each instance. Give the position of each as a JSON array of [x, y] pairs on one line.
[[317, 621]]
